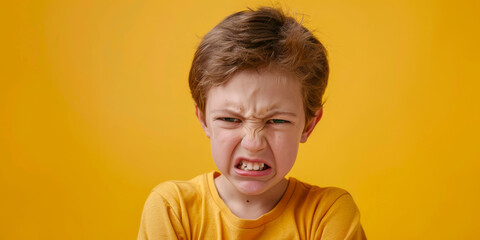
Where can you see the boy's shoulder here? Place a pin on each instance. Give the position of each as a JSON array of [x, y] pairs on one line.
[[183, 195], [182, 189], [319, 197], [314, 190], [332, 211]]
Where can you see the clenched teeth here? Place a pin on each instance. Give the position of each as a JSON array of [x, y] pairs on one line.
[[252, 166]]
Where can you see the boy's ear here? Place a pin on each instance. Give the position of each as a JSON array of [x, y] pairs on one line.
[[311, 125], [201, 119]]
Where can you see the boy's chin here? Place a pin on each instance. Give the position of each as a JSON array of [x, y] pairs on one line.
[[252, 188], [255, 188]]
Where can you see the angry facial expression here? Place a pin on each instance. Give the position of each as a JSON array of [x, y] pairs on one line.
[[255, 122]]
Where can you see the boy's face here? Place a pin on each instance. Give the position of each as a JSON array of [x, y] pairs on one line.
[[255, 122]]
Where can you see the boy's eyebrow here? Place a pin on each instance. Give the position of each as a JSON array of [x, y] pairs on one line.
[[278, 112], [225, 111], [274, 112]]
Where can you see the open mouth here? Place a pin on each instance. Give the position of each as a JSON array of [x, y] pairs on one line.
[[252, 166]]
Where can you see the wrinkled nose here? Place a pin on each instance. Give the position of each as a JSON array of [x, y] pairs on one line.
[[253, 141]]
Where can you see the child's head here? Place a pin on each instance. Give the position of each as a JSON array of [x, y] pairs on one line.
[[255, 39], [258, 79]]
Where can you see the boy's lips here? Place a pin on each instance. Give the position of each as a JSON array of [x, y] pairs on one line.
[[239, 160]]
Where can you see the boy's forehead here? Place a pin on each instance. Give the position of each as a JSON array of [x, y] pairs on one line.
[[263, 91], [273, 76], [255, 81]]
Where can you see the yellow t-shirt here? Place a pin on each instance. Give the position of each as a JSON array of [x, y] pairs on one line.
[[194, 210]]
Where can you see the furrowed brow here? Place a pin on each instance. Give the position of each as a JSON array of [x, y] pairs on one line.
[[282, 113], [225, 112], [276, 113], [239, 114]]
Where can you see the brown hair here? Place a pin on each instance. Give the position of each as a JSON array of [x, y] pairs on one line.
[[254, 39]]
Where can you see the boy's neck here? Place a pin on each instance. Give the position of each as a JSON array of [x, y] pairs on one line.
[[249, 206]]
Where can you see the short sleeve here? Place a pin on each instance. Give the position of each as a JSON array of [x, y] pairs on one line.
[[159, 220], [342, 221]]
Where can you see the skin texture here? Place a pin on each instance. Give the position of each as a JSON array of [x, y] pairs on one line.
[[256, 116]]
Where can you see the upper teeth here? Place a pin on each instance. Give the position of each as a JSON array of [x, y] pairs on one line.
[[249, 166]]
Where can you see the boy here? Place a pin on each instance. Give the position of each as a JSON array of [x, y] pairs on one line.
[[257, 79]]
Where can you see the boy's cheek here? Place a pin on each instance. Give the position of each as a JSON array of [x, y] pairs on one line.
[[225, 136]]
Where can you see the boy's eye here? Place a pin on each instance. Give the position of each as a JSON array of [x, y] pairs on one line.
[[227, 119], [277, 121]]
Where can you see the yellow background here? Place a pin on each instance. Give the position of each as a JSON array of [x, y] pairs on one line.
[[95, 111]]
